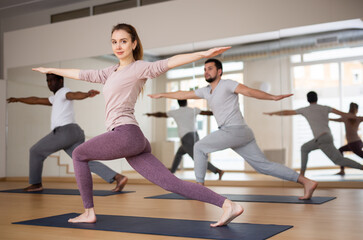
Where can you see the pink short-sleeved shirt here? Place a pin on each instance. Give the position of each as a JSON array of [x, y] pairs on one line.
[[121, 88]]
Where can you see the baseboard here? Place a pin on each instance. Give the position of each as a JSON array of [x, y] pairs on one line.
[[95, 179], [277, 183]]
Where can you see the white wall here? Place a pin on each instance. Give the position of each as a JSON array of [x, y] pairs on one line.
[[2, 128], [168, 24]]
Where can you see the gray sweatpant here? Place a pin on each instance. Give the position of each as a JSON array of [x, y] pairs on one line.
[[326, 144], [66, 137], [240, 139], [187, 146]]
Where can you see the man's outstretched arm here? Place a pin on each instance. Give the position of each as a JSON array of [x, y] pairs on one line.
[[255, 93], [207, 113], [181, 95], [157, 114], [30, 100], [282, 113], [81, 95]]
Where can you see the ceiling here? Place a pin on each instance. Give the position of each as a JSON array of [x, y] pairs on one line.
[[12, 8]]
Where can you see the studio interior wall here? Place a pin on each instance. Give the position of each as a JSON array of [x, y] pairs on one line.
[[159, 25]]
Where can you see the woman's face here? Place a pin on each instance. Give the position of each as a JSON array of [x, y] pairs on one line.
[[122, 45]]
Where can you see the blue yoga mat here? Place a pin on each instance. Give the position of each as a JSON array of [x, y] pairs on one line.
[[164, 226], [57, 191], [255, 198]]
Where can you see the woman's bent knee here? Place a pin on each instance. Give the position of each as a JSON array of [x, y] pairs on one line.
[[78, 153]]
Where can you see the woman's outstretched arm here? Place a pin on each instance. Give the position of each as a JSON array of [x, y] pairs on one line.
[[181, 95], [68, 73], [182, 59]]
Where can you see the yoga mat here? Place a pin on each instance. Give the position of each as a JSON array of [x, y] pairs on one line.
[[57, 191], [163, 226], [255, 198]]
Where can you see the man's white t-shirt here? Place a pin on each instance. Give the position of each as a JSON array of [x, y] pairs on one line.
[[62, 109], [185, 119]]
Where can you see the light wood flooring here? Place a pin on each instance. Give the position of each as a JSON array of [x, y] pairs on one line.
[[341, 218]]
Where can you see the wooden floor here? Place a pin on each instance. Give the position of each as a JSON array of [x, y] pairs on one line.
[[341, 218]]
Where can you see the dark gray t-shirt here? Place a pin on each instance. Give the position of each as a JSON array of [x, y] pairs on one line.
[[318, 118], [223, 102]]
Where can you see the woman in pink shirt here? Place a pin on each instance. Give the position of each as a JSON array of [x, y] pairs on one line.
[[354, 144], [124, 139]]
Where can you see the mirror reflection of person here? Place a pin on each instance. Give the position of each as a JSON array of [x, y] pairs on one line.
[[354, 143], [124, 139], [185, 118], [222, 97], [65, 134], [318, 119]]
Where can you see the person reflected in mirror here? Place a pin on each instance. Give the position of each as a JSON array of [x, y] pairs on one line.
[[185, 118], [354, 142], [318, 118], [65, 133]]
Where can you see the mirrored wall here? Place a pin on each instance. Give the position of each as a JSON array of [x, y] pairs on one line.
[[334, 69]]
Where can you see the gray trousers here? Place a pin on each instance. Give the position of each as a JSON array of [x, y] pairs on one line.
[[241, 140], [66, 137], [325, 143], [187, 146]]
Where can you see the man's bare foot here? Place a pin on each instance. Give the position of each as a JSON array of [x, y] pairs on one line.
[[88, 216], [309, 188], [121, 181], [200, 183], [34, 188], [341, 173], [220, 172], [231, 210]]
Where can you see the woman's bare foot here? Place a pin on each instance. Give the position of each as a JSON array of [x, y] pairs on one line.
[[34, 188], [121, 181], [231, 210], [309, 187], [88, 216]]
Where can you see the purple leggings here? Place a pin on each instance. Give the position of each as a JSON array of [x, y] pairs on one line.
[[127, 141], [355, 147]]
